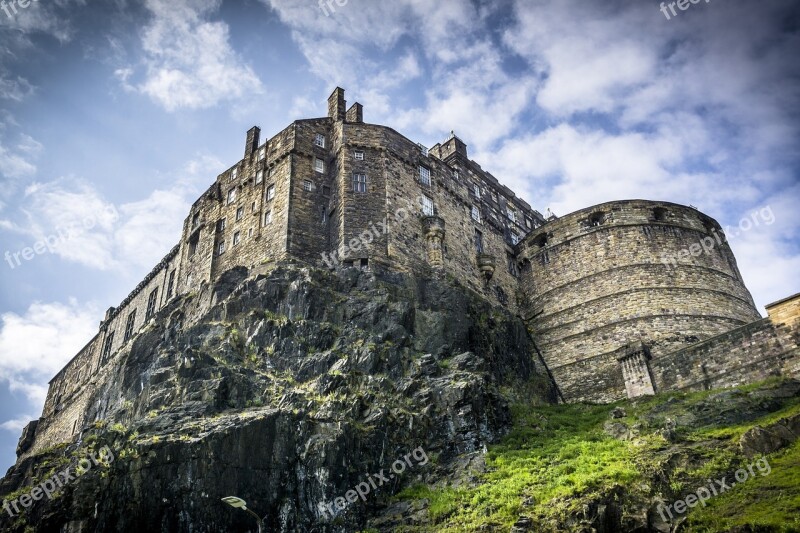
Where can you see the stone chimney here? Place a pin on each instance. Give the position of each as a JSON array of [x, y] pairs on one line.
[[337, 104], [253, 139], [451, 146], [355, 113]]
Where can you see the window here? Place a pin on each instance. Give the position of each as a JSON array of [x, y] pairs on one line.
[[514, 238], [109, 342], [231, 196], [424, 175], [193, 244], [422, 149], [456, 175], [319, 140], [234, 173], [262, 153], [359, 182], [476, 214], [427, 206], [512, 265], [326, 191], [195, 220], [527, 223], [250, 232], [659, 214], [540, 240], [129, 325], [364, 264], [259, 176], [494, 197], [171, 283], [270, 192], [597, 219], [319, 165], [324, 215], [268, 218], [221, 224], [358, 155], [237, 238], [253, 207], [307, 186], [512, 215], [476, 190], [271, 171], [152, 300], [478, 242], [221, 248], [239, 213]]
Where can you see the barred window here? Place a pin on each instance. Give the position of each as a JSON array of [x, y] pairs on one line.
[[427, 206], [358, 155], [424, 175], [307, 185]]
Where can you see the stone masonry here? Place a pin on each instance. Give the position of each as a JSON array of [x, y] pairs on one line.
[[610, 317]]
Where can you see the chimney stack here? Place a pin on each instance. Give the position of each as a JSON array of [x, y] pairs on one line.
[[337, 104], [253, 138]]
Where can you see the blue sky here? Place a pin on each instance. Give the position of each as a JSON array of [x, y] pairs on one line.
[[116, 115]]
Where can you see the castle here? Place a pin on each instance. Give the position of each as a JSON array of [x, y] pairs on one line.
[[609, 316]]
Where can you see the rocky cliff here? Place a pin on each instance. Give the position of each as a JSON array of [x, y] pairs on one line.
[[290, 388]]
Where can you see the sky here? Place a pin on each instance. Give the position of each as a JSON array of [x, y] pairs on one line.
[[116, 115]]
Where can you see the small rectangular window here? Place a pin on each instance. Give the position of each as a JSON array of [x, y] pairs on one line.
[[231, 196], [476, 190], [239, 213], [478, 242], [270, 192], [512, 215], [358, 155], [319, 165], [427, 206], [152, 301], [527, 223], [319, 140], [259, 176], [307, 186], [237, 238], [423, 149], [250, 232], [129, 324], [221, 248], [109, 343], [456, 175], [268, 218], [234, 173], [514, 238], [476, 214], [262, 153], [193, 245], [171, 283], [424, 175], [359, 182], [512, 265], [253, 207], [221, 224]]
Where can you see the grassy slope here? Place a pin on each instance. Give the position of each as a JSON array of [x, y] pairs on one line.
[[557, 459]]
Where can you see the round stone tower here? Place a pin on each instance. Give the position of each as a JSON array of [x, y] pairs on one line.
[[611, 286]]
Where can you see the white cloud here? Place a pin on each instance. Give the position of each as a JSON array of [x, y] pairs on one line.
[[190, 63], [16, 425], [35, 345], [87, 229]]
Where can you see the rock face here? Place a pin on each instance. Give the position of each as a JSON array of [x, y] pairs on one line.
[[288, 387]]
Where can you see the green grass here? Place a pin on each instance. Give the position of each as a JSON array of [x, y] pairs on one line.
[[557, 459], [552, 457], [767, 499]]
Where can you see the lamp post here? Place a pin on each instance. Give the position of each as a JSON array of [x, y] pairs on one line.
[[238, 503]]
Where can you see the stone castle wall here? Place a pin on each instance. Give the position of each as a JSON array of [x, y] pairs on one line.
[[616, 296], [622, 273]]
